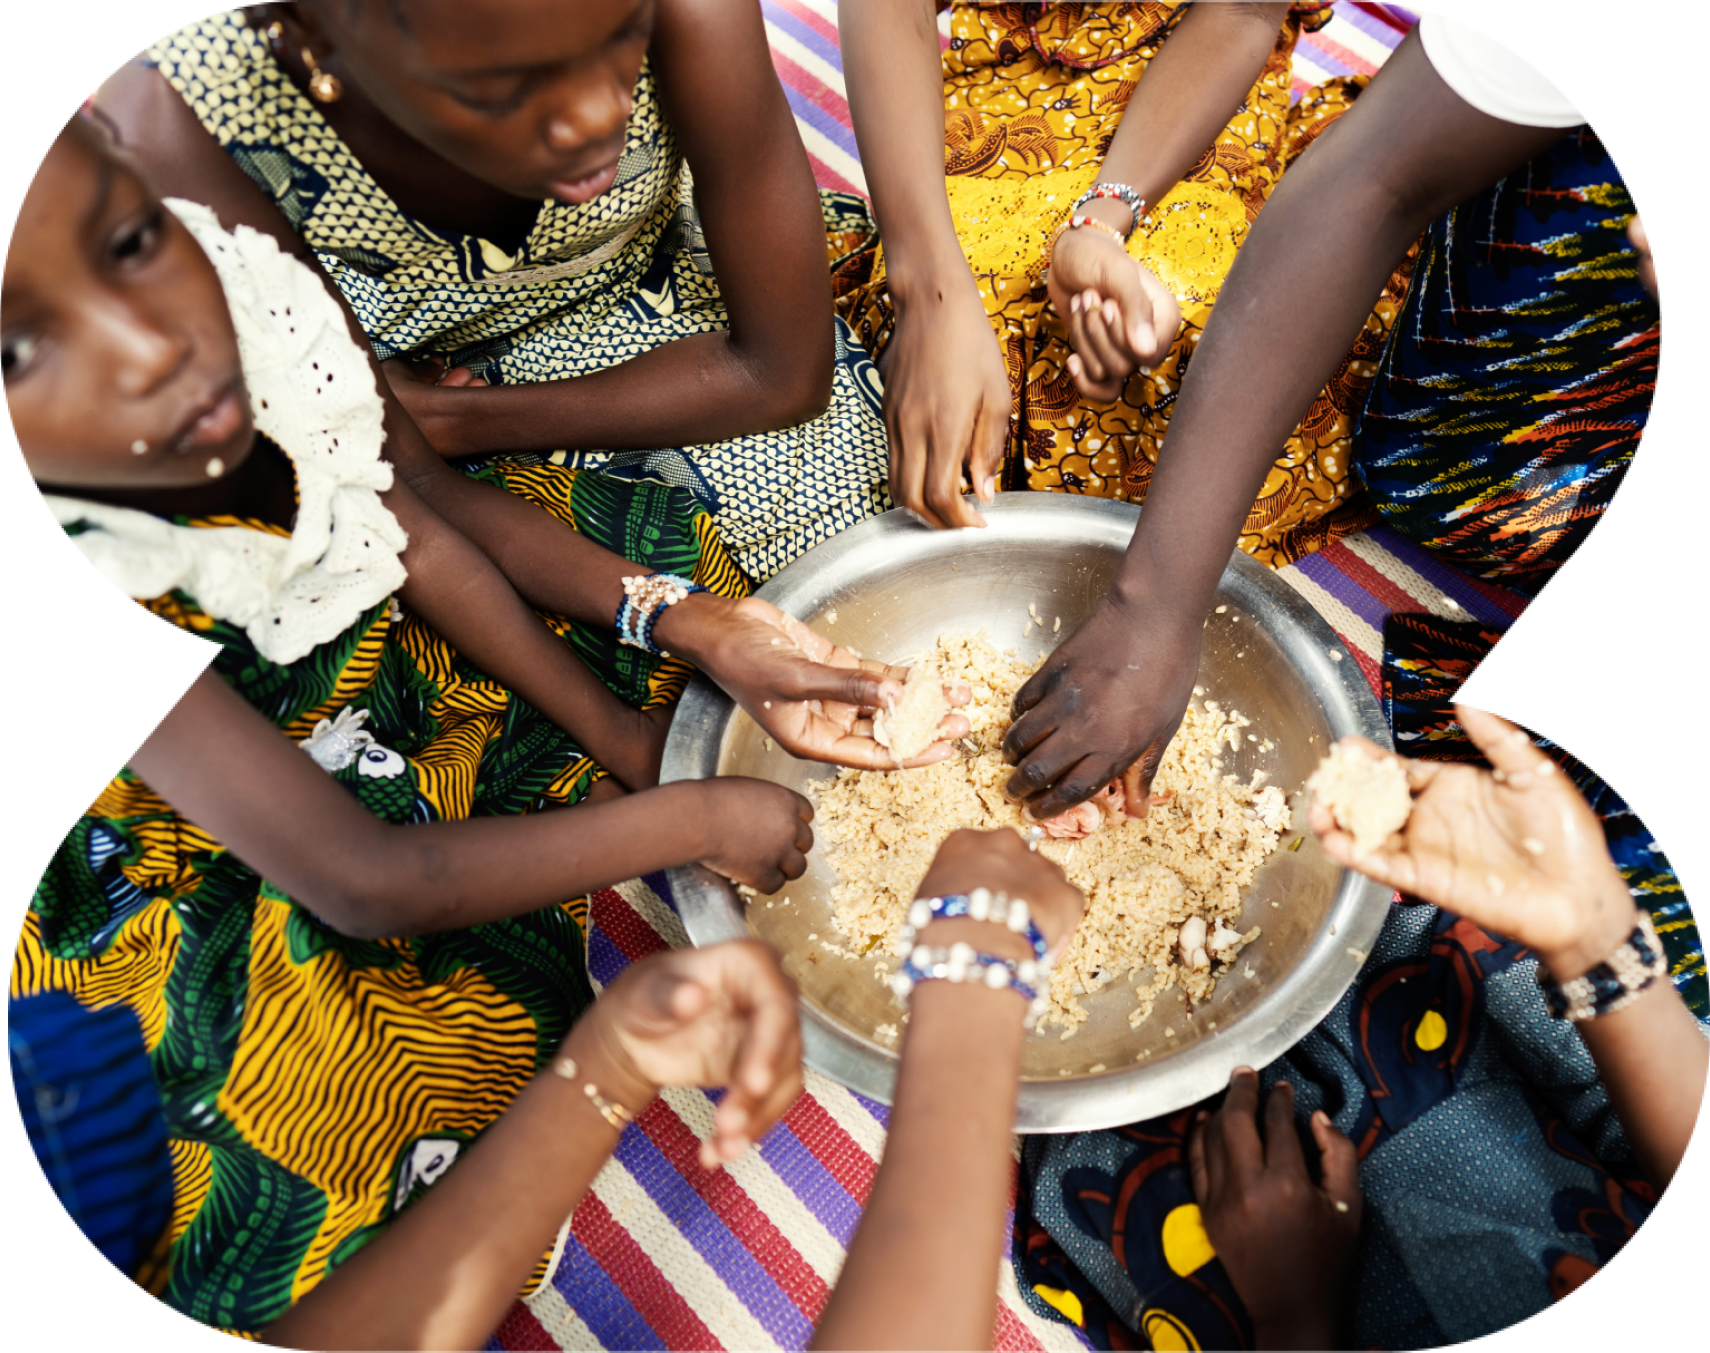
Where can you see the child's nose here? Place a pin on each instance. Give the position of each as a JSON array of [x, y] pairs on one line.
[[586, 111], [142, 352]]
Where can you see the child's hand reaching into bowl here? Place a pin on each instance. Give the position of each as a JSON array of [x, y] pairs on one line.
[[816, 698]]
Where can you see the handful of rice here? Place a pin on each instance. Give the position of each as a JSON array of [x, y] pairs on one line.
[[1367, 796], [1163, 893]]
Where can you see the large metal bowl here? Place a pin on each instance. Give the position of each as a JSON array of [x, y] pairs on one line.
[[895, 586]]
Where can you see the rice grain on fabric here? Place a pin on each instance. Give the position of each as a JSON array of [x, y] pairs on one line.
[[1181, 868]]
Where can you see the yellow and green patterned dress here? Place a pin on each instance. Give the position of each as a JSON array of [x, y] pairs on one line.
[[312, 1084], [593, 285]]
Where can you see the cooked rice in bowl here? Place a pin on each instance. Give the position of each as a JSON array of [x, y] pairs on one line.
[[1162, 893]]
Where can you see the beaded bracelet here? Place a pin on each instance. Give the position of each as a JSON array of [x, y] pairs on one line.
[[645, 598], [1119, 191], [980, 905], [613, 1112], [963, 963], [1071, 224], [1613, 983]]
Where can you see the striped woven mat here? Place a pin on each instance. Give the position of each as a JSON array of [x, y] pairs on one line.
[[662, 1255]]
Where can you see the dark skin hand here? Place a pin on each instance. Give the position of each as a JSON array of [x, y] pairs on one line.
[[1286, 1242], [116, 336], [123, 378], [365, 877], [947, 397], [423, 117], [1106, 702], [550, 565]]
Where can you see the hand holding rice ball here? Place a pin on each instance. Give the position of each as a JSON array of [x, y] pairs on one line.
[[1516, 849]]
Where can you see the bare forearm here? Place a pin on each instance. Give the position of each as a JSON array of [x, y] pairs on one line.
[[1189, 91], [444, 1273], [1300, 289], [896, 102], [1653, 1060], [938, 1204], [690, 391]]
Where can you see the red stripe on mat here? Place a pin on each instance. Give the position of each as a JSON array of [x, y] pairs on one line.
[[1370, 667], [834, 1148], [624, 926], [1386, 591], [827, 177], [638, 1278], [1337, 52], [1010, 1333], [811, 88], [520, 1330], [817, 22], [1382, 15], [740, 1214]]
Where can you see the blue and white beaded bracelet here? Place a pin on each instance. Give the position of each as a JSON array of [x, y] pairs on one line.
[[1613, 983], [979, 905], [961, 962], [645, 598]]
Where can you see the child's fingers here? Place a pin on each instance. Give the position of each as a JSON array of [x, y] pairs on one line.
[[1083, 357], [1199, 1172], [991, 436], [1166, 318], [1339, 1164], [1282, 1143], [1236, 1129], [1104, 329]]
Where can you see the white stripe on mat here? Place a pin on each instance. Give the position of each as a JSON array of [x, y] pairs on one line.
[[1355, 631], [832, 155], [652, 908], [1404, 576], [807, 1234], [559, 1319], [681, 1265], [1361, 43], [861, 1126], [811, 62], [1057, 1337], [826, 9]]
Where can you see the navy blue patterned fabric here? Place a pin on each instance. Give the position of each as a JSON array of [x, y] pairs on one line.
[[92, 1111]]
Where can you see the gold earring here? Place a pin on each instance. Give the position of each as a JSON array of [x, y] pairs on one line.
[[324, 86]]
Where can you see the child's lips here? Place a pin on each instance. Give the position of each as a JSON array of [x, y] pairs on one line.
[[584, 189], [215, 425]]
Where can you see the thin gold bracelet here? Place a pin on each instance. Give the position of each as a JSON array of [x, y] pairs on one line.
[[613, 1112]]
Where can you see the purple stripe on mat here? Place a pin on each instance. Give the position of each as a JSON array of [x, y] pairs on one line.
[[1405, 15], [872, 1106], [1454, 584], [590, 1292], [661, 884], [1376, 29], [605, 959], [1339, 585], [811, 1182], [701, 1227], [804, 33], [1320, 58], [835, 131]]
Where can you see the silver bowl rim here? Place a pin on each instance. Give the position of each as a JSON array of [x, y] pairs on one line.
[[712, 911]]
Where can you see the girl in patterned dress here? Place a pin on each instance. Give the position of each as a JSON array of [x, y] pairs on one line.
[[580, 231], [347, 947], [975, 157]]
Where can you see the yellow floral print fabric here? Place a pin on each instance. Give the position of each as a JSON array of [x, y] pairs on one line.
[[1032, 97]]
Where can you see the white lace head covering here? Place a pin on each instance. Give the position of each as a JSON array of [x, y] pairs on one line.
[[312, 391]]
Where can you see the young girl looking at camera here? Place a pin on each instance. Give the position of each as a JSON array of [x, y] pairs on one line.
[[350, 945]]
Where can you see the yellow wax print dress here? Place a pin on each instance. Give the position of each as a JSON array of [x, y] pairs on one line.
[[593, 285], [1033, 95], [312, 1084]]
